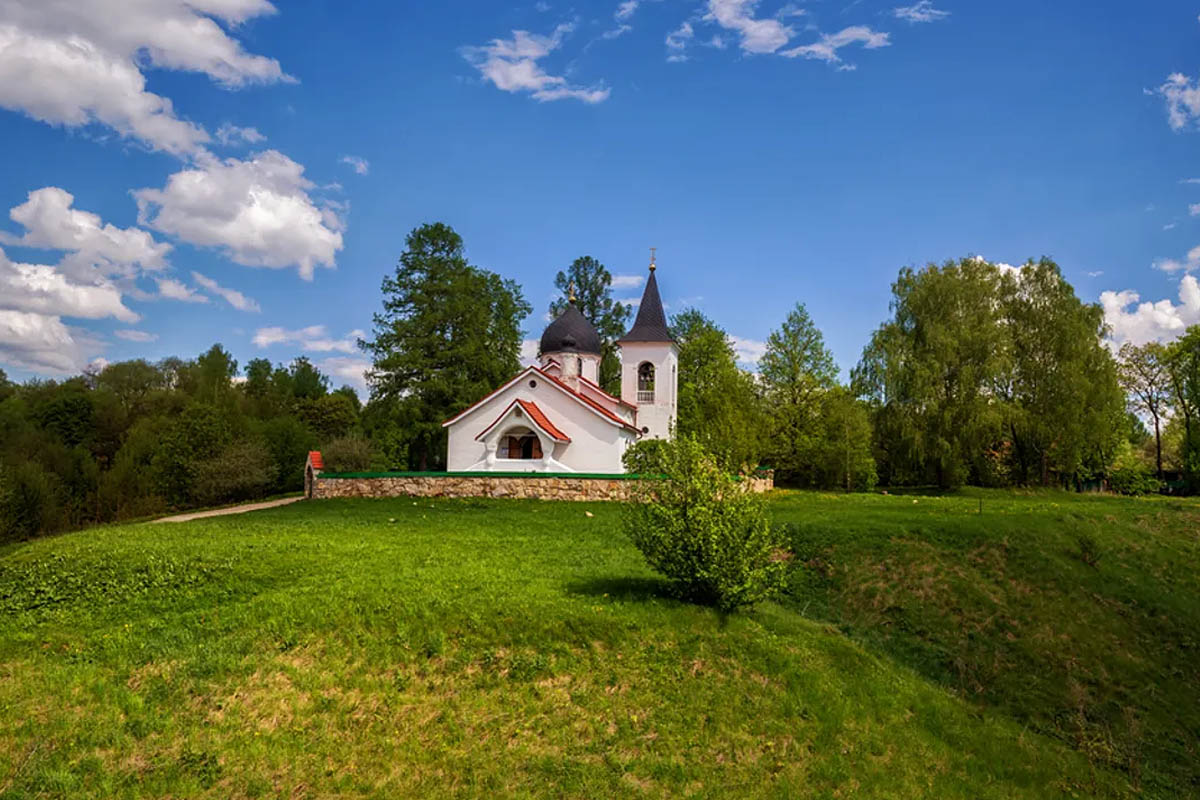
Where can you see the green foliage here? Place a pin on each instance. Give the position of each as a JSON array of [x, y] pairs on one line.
[[1129, 475], [796, 371], [328, 416], [448, 334], [647, 457], [289, 440], [1183, 366], [29, 501], [719, 403], [197, 435], [1146, 379], [593, 298], [842, 456], [348, 454], [979, 360], [701, 530], [242, 470]]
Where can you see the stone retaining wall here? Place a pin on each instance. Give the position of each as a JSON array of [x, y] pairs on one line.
[[532, 486]]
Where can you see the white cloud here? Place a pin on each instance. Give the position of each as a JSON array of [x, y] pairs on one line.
[[352, 371], [511, 65], [625, 9], [74, 63], [677, 41], [1095, 274], [229, 134], [315, 338], [257, 211], [131, 335], [1190, 263], [1183, 100], [827, 48], [529, 351], [757, 35], [1142, 322], [748, 351], [40, 342], [42, 289], [235, 298], [52, 223], [923, 11], [172, 289], [627, 281], [1194, 209], [360, 165], [1170, 226]]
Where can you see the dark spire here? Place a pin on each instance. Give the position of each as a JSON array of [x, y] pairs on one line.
[[651, 322]]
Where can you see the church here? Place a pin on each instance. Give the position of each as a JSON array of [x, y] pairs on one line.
[[554, 417]]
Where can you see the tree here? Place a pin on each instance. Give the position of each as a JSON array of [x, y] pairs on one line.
[[132, 382], [842, 457], [1146, 378], [593, 298], [928, 372], [307, 381], [718, 402], [1183, 364], [796, 371], [448, 334]]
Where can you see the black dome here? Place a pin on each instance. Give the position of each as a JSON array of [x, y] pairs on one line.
[[570, 333]]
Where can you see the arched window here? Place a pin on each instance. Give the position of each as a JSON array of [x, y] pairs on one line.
[[521, 443], [645, 390]]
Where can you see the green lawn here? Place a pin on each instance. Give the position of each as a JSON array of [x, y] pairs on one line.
[[394, 648]]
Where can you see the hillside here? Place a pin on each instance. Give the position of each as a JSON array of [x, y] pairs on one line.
[[504, 648]]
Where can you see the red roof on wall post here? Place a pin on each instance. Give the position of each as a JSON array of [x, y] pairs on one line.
[[314, 458]]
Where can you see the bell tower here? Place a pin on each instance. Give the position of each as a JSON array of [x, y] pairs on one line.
[[650, 364]]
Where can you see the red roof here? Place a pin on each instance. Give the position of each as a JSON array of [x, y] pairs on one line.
[[536, 416], [314, 458], [589, 402]]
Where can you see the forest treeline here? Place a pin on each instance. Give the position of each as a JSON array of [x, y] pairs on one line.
[[982, 374]]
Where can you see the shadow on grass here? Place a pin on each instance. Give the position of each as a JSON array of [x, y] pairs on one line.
[[625, 588]]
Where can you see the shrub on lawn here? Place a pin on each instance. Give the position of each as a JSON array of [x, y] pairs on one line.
[[244, 470], [347, 454], [700, 528], [1131, 476]]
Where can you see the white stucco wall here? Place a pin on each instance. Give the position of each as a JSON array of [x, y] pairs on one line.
[[596, 444], [658, 416]]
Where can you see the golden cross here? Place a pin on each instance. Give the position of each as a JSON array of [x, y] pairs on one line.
[[653, 256]]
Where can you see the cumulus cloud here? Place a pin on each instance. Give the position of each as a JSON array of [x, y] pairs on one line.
[[257, 211], [748, 351], [43, 289], [352, 371], [131, 335], [529, 351], [923, 11], [826, 49], [359, 165], [235, 298], [756, 35], [74, 63], [1131, 320], [511, 65], [1182, 95], [40, 342], [1189, 263], [173, 289], [229, 134], [52, 223], [627, 281], [314, 338]]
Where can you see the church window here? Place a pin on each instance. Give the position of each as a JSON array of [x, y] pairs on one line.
[[645, 388], [521, 444]]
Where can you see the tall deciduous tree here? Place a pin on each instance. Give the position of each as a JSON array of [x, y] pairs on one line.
[[593, 297], [1146, 378], [448, 334], [1183, 360], [796, 371], [718, 403]]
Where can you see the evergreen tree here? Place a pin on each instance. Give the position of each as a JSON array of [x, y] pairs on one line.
[[448, 334], [796, 371], [593, 297]]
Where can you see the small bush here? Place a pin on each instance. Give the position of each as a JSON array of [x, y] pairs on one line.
[[243, 471], [29, 501], [645, 457], [347, 454], [703, 531], [1133, 480], [1089, 549]]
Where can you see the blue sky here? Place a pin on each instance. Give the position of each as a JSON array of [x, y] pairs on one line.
[[233, 171]]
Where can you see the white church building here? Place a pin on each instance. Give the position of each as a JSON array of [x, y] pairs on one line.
[[554, 417]]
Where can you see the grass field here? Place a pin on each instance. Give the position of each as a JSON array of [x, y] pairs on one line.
[[948, 647]]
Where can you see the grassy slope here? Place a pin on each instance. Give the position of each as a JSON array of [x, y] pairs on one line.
[[522, 649], [988, 594]]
